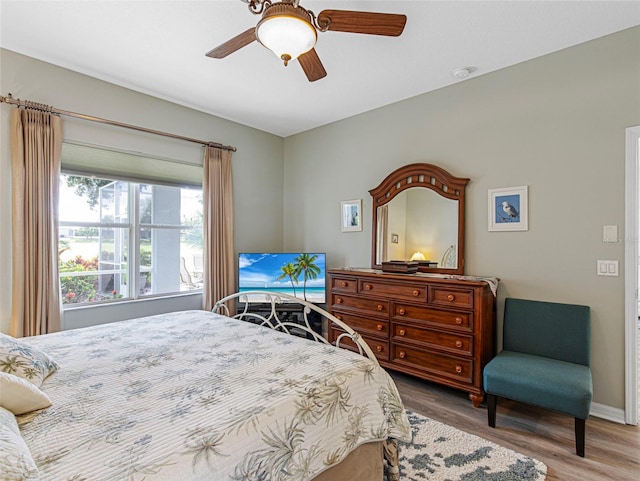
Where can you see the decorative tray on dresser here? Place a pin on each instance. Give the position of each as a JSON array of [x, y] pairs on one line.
[[436, 327]]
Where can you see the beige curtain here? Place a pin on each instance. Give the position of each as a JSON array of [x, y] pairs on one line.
[[36, 148], [217, 190]]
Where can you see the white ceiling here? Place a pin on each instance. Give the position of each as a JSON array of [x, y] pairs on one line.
[[158, 47]]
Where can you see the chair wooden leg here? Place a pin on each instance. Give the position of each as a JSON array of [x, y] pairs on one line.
[[491, 409], [580, 434]]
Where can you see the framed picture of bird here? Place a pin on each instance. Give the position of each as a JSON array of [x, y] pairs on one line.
[[508, 209]]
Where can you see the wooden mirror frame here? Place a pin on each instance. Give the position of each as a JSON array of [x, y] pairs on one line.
[[431, 177]]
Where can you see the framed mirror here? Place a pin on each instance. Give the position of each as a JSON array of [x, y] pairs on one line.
[[418, 214]]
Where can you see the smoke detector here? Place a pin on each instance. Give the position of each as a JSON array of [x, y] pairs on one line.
[[461, 73]]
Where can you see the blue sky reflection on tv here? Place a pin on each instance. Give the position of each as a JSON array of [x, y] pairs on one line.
[[260, 271]]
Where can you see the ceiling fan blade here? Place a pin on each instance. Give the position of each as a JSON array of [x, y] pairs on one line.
[[236, 43], [389, 24], [312, 66]]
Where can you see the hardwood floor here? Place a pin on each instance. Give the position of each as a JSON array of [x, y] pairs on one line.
[[612, 450]]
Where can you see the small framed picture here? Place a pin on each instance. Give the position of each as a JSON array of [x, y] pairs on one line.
[[394, 238], [508, 209], [351, 215]]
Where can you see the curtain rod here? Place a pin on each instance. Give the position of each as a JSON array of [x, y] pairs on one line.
[[47, 108]]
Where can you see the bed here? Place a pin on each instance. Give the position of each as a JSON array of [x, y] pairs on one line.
[[198, 395]]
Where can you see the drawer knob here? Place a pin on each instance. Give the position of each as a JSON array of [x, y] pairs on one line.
[[338, 300], [379, 327], [380, 307], [402, 354], [416, 293], [367, 287], [402, 312], [458, 368], [458, 320], [451, 297], [378, 348], [344, 284], [402, 332], [458, 343]]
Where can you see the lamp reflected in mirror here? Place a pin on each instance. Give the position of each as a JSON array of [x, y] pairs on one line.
[[418, 256]]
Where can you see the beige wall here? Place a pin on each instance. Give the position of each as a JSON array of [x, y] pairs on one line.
[[556, 124], [257, 164]]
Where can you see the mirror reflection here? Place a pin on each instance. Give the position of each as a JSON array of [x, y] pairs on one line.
[[418, 224]]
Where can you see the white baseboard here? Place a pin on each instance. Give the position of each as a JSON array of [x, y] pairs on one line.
[[607, 412]]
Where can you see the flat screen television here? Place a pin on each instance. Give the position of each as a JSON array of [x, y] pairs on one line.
[[283, 272]]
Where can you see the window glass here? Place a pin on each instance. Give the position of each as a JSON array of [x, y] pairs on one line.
[[101, 245], [85, 199]]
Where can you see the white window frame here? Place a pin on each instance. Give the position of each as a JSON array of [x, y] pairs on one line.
[[134, 227]]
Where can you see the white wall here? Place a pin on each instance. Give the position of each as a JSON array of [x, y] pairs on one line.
[[556, 124], [257, 164]]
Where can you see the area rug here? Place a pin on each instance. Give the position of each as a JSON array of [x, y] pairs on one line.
[[442, 453]]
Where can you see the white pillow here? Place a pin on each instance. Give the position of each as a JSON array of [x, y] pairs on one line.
[[16, 461], [20, 396], [24, 361]]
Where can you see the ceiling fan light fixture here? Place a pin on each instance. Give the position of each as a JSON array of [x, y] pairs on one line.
[[287, 31]]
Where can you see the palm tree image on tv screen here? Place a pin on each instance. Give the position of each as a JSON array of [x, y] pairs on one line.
[[298, 274]]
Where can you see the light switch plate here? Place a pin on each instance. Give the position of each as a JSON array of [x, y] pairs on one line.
[[610, 233], [607, 268]]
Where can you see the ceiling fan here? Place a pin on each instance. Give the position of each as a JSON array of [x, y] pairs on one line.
[[291, 31]]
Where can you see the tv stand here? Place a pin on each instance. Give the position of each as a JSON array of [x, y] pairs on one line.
[[286, 312]]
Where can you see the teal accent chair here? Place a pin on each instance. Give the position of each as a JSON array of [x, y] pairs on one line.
[[545, 361]]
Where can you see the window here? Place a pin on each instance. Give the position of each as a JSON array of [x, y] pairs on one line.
[[127, 240]]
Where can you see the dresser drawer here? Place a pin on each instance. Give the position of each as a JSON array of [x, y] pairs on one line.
[[392, 291], [372, 327], [433, 363], [443, 341], [438, 329], [380, 348], [451, 297], [377, 307], [344, 284], [459, 320]]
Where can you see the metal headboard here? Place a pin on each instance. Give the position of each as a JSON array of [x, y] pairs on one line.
[[243, 311]]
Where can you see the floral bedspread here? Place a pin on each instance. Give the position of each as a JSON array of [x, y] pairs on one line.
[[197, 396]]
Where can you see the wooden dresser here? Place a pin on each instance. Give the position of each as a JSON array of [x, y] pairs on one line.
[[435, 328]]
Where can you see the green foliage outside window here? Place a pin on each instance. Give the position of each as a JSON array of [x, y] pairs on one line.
[[78, 289], [81, 289]]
